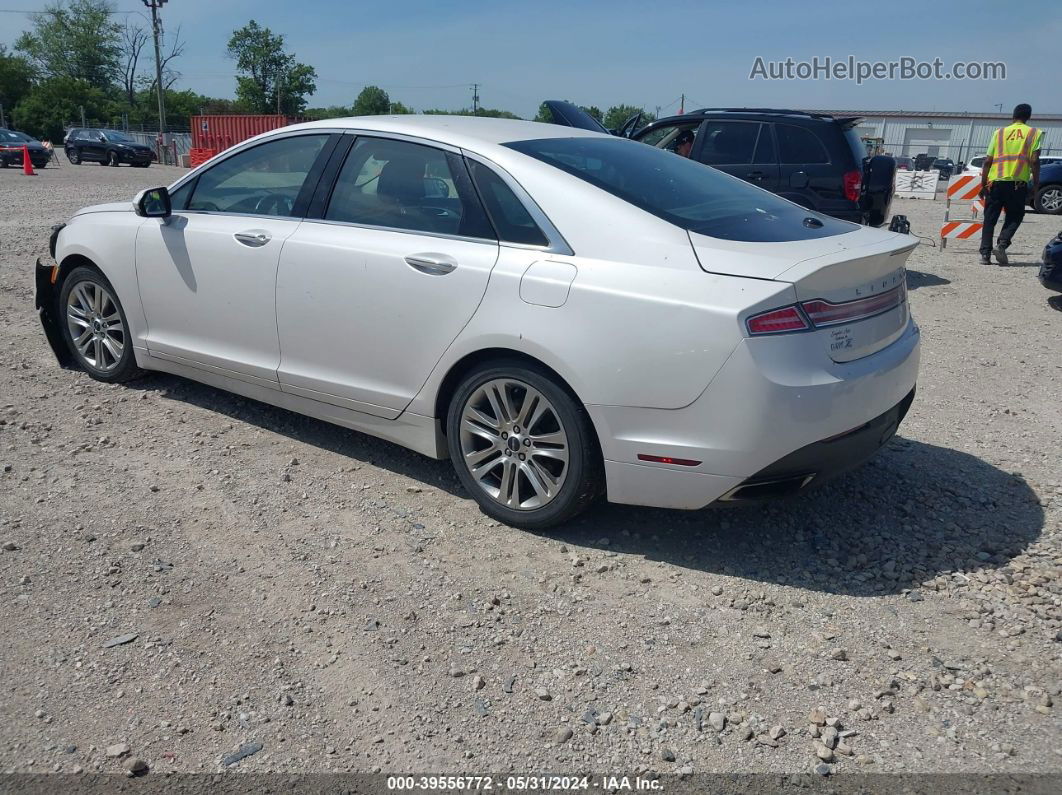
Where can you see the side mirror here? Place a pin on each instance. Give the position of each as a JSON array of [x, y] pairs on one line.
[[153, 203]]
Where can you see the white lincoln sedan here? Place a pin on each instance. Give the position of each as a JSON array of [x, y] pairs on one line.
[[562, 313]]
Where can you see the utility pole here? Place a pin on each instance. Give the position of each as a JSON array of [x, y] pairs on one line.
[[3, 122], [682, 105], [156, 29], [475, 99], [280, 80], [82, 109]]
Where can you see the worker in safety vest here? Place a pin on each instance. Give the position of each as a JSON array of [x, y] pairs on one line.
[[1011, 164]]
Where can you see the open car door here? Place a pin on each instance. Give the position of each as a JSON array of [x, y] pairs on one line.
[[568, 115], [630, 127]]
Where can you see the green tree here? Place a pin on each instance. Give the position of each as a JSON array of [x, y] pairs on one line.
[[331, 112], [372, 101], [268, 72], [75, 39], [398, 109], [618, 114], [593, 111], [492, 113], [57, 101], [544, 114], [16, 79]]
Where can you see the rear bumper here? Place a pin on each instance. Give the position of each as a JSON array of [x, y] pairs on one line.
[[767, 414]]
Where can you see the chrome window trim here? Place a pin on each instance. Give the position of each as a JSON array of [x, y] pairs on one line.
[[243, 145], [442, 235], [557, 243]]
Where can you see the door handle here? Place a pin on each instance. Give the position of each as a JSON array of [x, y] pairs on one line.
[[432, 264], [755, 175], [252, 239]]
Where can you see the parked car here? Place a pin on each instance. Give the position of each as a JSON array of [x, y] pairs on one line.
[[11, 143], [813, 160], [904, 164], [944, 166], [559, 312], [924, 162], [1048, 198], [110, 147], [1051, 269]]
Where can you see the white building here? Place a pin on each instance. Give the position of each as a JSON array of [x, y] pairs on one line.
[[959, 136]]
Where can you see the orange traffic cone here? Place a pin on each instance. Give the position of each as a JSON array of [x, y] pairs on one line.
[[27, 164]]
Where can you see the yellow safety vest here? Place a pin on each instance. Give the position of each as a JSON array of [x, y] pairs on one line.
[[1011, 150]]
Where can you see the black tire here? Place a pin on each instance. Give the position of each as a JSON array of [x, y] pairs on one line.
[[74, 156], [113, 159], [1049, 194], [125, 367], [584, 475], [3, 162]]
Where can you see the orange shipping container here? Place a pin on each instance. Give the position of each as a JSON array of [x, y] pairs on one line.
[[217, 133]]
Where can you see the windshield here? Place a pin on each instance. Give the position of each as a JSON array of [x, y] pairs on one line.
[[115, 135], [686, 193], [10, 135]]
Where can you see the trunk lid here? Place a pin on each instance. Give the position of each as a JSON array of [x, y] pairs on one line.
[[841, 269]]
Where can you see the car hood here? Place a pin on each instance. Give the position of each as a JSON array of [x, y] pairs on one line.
[[111, 207]]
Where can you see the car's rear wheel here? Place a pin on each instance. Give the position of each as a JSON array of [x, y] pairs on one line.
[[73, 156], [1049, 199], [95, 327], [522, 445]]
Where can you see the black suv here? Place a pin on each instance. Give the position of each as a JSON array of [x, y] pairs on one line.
[[814, 160], [112, 147]]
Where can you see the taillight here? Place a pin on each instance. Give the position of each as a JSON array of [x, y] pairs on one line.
[[787, 318], [852, 182], [823, 313], [819, 313]]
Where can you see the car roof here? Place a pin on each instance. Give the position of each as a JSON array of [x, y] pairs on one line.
[[460, 131]]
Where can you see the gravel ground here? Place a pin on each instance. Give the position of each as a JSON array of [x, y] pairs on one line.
[[185, 573]]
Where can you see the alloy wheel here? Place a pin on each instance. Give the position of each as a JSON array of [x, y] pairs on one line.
[[513, 444], [95, 326], [1051, 200]]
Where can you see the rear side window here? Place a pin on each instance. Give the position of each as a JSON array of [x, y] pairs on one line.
[[728, 142], [402, 185], [681, 191], [510, 217], [797, 146]]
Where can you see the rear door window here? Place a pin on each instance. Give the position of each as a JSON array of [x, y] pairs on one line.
[[728, 143], [510, 217], [797, 146], [403, 185]]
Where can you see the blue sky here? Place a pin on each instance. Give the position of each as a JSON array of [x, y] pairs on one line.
[[426, 53]]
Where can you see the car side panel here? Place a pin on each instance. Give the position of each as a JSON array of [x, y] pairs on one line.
[[627, 334]]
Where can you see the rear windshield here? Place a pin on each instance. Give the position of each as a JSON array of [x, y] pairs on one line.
[[686, 193]]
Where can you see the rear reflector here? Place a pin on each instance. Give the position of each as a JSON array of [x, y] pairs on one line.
[[663, 459], [777, 320]]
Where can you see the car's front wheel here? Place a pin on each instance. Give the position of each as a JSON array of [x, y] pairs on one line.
[[522, 445], [73, 156], [95, 327], [1049, 199]]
